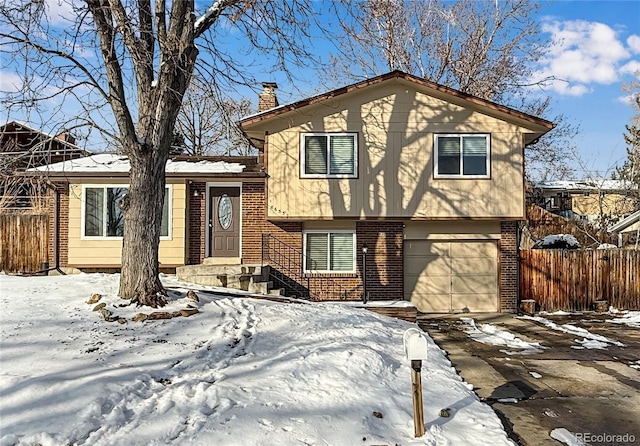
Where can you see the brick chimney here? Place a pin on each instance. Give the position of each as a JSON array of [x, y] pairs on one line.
[[267, 99], [67, 137]]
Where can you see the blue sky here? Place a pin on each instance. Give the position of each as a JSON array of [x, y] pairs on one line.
[[597, 50]]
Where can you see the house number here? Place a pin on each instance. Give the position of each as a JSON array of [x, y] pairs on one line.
[[225, 211]]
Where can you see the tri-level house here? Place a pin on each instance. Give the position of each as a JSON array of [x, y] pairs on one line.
[[396, 186], [393, 188]]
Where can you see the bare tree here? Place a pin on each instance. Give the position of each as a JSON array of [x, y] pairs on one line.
[[485, 48], [629, 171], [207, 120], [138, 57]]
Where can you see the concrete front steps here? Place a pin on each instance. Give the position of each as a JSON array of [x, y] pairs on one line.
[[251, 278]]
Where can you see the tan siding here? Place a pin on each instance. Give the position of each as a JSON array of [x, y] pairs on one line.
[[396, 127], [84, 252], [607, 204], [633, 228]]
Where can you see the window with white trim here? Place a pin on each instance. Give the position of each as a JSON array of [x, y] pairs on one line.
[[333, 155], [103, 217], [329, 251], [462, 156]]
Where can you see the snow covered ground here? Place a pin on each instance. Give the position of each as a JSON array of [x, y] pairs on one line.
[[630, 318], [490, 334], [589, 340], [240, 372]]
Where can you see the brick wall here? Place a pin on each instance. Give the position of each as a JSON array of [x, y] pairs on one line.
[[508, 266], [254, 224], [385, 265], [196, 226], [384, 241], [63, 225]]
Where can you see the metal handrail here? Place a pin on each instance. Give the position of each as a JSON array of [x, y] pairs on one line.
[[291, 260]]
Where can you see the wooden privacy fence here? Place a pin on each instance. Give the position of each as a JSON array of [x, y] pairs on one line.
[[24, 240], [575, 280]]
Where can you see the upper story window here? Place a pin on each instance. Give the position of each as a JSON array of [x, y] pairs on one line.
[[462, 156], [102, 216], [329, 155]]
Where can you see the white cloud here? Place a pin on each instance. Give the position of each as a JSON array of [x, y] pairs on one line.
[[60, 12], [582, 53], [629, 99], [632, 67], [10, 82], [634, 43]]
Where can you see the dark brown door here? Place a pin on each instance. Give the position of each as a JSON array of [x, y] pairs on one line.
[[224, 223]]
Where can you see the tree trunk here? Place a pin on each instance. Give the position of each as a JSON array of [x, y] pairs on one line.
[[142, 208]]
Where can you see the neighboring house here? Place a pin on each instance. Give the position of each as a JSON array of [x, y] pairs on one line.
[[393, 187], [600, 201], [628, 230], [22, 148]]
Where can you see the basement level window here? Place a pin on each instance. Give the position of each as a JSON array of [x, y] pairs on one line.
[[327, 252]]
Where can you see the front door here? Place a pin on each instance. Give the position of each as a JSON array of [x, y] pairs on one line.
[[224, 221]]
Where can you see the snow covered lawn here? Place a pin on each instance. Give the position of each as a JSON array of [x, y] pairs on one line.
[[240, 372]]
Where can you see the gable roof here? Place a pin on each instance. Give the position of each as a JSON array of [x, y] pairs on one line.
[[625, 223], [397, 74], [112, 164], [605, 185], [22, 146], [23, 131]]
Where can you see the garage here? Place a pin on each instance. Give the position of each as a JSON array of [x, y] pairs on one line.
[[442, 276]]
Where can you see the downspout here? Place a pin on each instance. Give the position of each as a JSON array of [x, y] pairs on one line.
[[518, 240], [56, 230]]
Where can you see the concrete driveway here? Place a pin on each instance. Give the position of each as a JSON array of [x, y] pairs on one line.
[[592, 392]]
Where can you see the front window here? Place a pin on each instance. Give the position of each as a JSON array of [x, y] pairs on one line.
[[103, 216], [329, 251], [462, 156], [329, 155]]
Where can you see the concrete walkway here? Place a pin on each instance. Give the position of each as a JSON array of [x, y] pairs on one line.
[[593, 392]]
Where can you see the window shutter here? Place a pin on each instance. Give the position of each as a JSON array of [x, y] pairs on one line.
[[342, 159], [94, 212], [474, 150], [315, 155], [317, 252], [341, 252], [448, 155]]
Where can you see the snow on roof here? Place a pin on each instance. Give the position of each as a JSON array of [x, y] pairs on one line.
[[583, 185], [114, 163], [558, 241]]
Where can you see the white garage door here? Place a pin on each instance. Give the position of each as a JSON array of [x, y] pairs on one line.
[[444, 276]]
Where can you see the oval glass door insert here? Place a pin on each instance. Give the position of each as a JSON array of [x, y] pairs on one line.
[[225, 211]]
